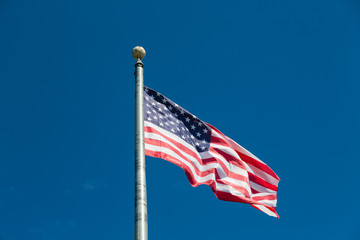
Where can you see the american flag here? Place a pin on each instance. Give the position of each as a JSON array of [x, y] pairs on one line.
[[207, 155]]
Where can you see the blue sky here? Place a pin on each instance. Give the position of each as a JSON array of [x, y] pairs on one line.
[[279, 77]]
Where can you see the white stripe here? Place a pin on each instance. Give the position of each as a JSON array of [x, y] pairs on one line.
[[258, 172], [198, 179], [260, 188], [271, 203], [244, 150], [229, 189], [263, 194], [265, 210], [216, 134], [226, 149], [201, 168]]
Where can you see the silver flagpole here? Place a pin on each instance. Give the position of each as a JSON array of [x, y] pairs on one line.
[[141, 224]]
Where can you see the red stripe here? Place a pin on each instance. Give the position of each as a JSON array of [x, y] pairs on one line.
[[225, 196], [261, 182], [266, 197], [219, 141]]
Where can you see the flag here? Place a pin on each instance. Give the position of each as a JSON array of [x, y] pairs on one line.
[[206, 155]]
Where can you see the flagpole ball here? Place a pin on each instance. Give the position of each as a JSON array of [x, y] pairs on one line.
[[138, 53]]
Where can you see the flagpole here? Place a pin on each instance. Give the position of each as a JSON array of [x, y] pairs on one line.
[[141, 224]]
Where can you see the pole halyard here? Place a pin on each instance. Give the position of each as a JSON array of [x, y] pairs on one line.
[[141, 220]]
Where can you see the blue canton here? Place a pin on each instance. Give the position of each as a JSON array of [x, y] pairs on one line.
[[166, 114]]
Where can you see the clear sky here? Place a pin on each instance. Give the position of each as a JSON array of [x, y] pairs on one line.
[[279, 77]]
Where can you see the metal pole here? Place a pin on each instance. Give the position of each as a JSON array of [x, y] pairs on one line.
[[141, 225]]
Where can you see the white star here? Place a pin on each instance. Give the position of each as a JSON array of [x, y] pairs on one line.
[[198, 134], [187, 119], [170, 107], [193, 127], [172, 130], [158, 94], [155, 117], [149, 118], [164, 100], [153, 103], [165, 107], [182, 111], [146, 90], [183, 128], [154, 111], [178, 129], [161, 124], [147, 98], [148, 112], [172, 122], [205, 130], [199, 124], [160, 109], [176, 115], [192, 136], [183, 136], [147, 105], [203, 141], [166, 123], [152, 97], [161, 117], [177, 121], [197, 144], [203, 148]]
